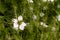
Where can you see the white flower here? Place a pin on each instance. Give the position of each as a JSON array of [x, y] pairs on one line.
[[58, 17], [20, 18], [43, 24], [51, 0], [42, 14], [22, 26], [15, 26], [15, 20], [34, 17], [31, 1]]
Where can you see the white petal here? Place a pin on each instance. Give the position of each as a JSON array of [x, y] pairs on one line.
[[45, 25], [41, 23], [52, 0], [22, 26], [58, 17], [20, 18], [15, 20], [15, 26], [31, 1]]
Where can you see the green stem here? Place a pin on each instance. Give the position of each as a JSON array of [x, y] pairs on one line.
[[15, 8]]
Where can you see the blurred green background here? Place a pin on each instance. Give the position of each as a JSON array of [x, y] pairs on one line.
[[10, 9]]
